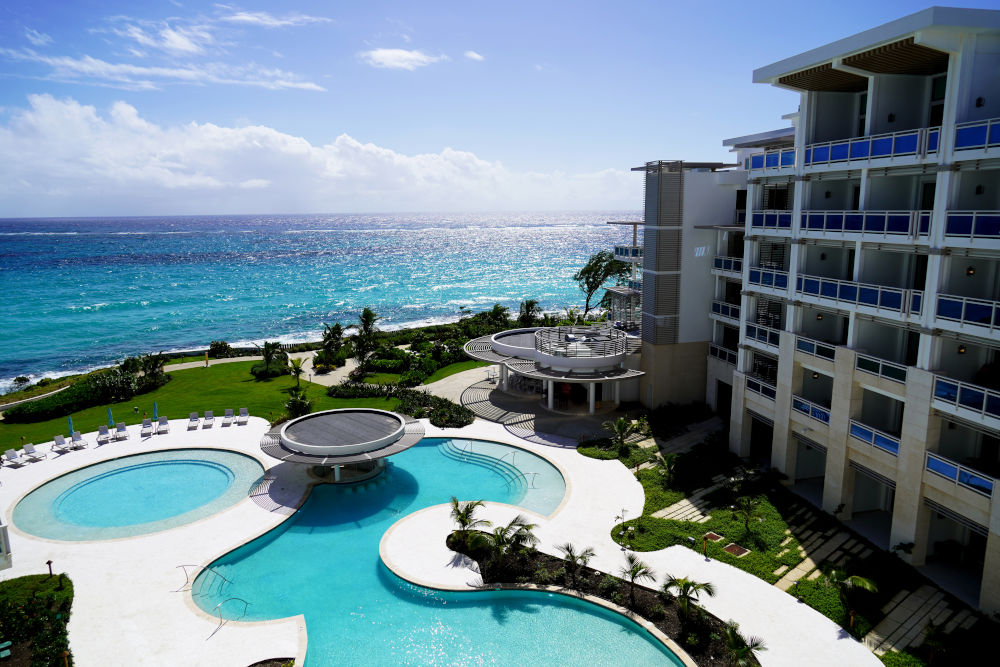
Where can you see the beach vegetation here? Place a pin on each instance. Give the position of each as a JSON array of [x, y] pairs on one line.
[[34, 612], [366, 339], [623, 431], [274, 361], [530, 313], [686, 592], [220, 349], [599, 269], [575, 559], [742, 650], [298, 404], [418, 404]]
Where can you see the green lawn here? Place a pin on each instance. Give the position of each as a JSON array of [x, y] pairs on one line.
[[193, 390], [35, 390], [382, 378], [451, 369]]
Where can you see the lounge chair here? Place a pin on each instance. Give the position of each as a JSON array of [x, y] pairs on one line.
[[147, 428], [193, 421], [121, 433], [59, 444], [209, 419], [228, 419], [244, 416], [103, 436], [33, 454], [5, 650], [77, 441], [11, 458], [163, 426]]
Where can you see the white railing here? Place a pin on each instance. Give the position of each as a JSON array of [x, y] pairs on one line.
[[815, 348], [728, 264], [769, 220], [900, 224], [965, 396], [917, 142], [770, 160], [634, 284], [728, 310], [966, 310], [719, 352], [811, 410], [977, 134], [881, 367], [960, 475], [758, 386], [772, 278], [874, 437], [761, 334], [861, 294], [973, 224], [628, 253]]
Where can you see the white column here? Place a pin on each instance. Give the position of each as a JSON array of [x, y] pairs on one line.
[[552, 391], [336, 473], [591, 393], [618, 393], [503, 377]]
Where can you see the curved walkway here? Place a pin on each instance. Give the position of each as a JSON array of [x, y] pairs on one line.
[[795, 634]]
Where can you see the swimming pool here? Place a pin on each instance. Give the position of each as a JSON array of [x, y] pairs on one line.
[[324, 563], [137, 494]]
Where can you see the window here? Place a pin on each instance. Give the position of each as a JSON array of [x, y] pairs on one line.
[[938, 85], [862, 114]]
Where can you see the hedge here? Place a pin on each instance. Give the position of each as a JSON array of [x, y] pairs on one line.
[[418, 404]]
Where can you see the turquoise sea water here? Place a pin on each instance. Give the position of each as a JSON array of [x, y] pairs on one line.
[[80, 293], [323, 562]]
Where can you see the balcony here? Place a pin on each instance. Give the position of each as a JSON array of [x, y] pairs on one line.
[[973, 225], [881, 368], [730, 267], [815, 348], [771, 161], [634, 284], [891, 226], [769, 278], [849, 293], [778, 223], [628, 253], [719, 352], [811, 410], [982, 315], [908, 147], [960, 475], [764, 337], [758, 386], [981, 135], [874, 437], [726, 312], [966, 400]]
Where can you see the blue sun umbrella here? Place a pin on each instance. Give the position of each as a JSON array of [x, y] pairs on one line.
[[70, 420], [111, 420], [155, 416]]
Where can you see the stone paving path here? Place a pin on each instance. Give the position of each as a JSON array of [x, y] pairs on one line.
[[910, 614]]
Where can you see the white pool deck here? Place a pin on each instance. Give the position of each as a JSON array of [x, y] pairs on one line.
[[126, 611]]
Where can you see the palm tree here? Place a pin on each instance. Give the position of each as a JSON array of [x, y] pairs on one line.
[[845, 583], [741, 649], [746, 508], [621, 430], [669, 468], [499, 315], [365, 340], [516, 534], [268, 351], [530, 310], [152, 365], [635, 570], [295, 368], [575, 559], [464, 515], [333, 338], [686, 591]]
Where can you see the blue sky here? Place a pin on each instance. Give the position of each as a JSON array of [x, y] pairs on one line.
[[164, 107]]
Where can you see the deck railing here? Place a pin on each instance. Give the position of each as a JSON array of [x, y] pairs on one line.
[[973, 224], [579, 342], [635, 284], [771, 220], [874, 437], [724, 309], [960, 475], [977, 312], [628, 252], [758, 386], [731, 264], [815, 348], [761, 334], [772, 278], [719, 352], [862, 294], [877, 223], [977, 134], [864, 149], [810, 409], [881, 368], [777, 159], [979, 400]]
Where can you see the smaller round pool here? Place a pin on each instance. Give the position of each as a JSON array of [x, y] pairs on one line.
[[137, 494]]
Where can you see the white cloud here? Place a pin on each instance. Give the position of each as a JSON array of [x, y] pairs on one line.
[[140, 77], [60, 157], [270, 21], [176, 40], [472, 55], [399, 58], [37, 38]]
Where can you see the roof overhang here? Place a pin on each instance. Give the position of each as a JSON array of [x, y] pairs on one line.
[[530, 369], [272, 445], [784, 136]]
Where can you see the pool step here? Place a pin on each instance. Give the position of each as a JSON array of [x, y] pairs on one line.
[[510, 473]]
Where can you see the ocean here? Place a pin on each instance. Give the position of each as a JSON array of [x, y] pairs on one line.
[[80, 293]]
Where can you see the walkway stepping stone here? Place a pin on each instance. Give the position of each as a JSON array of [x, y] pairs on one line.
[[780, 570]]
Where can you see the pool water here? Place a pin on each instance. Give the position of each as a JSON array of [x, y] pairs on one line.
[[324, 563], [137, 494]]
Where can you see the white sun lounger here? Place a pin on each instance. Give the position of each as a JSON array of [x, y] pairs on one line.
[[209, 419], [11, 458], [193, 420], [78, 442], [163, 426], [147, 428], [228, 419], [103, 436], [244, 416], [59, 444], [33, 454], [121, 433]]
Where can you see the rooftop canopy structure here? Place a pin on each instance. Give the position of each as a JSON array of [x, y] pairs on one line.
[[352, 443]]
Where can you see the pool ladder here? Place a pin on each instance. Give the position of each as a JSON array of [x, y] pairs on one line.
[[186, 586], [223, 621]]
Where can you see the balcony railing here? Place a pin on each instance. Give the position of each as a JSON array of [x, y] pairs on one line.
[[723, 309], [719, 352], [875, 437], [977, 134], [635, 284], [977, 312], [861, 294], [761, 334], [864, 149], [810, 409], [973, 224], [730, 264], [740, 216], [758, 386], [581, 341], [964, 396], [779, 159], [628, 253], [815, 348], [771, 220], [879, 223], [881, 368], [769, 278], [960, 475]]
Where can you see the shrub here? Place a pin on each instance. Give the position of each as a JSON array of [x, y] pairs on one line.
[[901, 659], [219, 349], [609, 586], [418, 404], [278, 367]]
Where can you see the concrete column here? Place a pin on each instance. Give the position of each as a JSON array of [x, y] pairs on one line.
[[858, 261], [591, 394], [783, 450], [336, 473], [920, 426], [838, 479], [618, 393], [989, 590], [552, 391], [503, 377], [852, 329], [739, 422]]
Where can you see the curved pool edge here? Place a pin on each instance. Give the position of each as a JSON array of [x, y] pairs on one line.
[[434, 555]]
